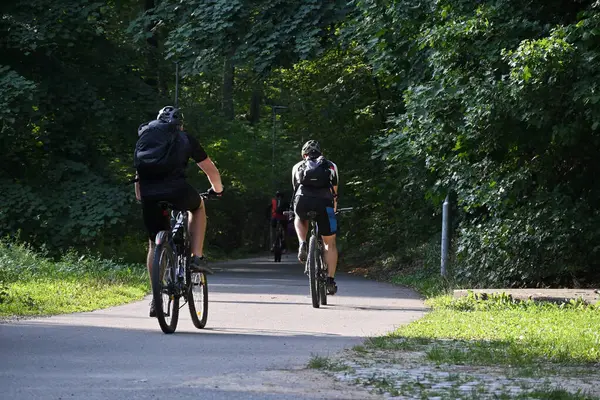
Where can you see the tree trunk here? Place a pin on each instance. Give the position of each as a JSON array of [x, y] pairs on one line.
[[379, 105], [228, 78], [151, 52], [255, 102]]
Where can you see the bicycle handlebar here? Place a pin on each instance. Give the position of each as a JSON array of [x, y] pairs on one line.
[[211, 194], [339, 211]]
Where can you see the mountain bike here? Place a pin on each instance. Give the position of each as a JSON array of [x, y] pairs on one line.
[[171, 277], [315, 264], [278, 244]]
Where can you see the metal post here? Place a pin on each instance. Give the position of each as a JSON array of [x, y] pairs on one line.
[[273, 149], [445, 234], [274, 108]]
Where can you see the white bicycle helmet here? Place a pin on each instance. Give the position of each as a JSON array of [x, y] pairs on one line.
[[311, 148]]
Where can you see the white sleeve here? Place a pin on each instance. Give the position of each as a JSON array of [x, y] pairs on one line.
[[294, 172], [335, 178]]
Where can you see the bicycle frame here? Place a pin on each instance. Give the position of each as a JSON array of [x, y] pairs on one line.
[[279, 230], [180, 241], [171, 276]]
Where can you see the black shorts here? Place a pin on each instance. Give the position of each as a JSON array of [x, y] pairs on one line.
[[155, 218], [326, 219]]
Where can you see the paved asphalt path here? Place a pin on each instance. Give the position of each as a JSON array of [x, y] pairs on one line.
[[261, 332]]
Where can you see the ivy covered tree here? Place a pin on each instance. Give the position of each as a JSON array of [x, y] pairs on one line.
[[71, 98]]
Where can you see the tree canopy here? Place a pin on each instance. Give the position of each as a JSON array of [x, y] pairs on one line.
[[494, 103]]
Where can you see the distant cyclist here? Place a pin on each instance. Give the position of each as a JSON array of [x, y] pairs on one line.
[[315, 182], [278, 206], [162, 153]]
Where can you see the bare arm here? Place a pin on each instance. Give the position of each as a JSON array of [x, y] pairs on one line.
[[137, 188], [295, 184], [335, 190], [211, 171], [335, 183]]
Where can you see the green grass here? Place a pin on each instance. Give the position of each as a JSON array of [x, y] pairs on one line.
[[427, 285], [501, 331], [325, 363], [31, 284], [558, 394], [318, 362]]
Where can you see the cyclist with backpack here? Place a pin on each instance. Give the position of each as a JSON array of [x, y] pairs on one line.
[[161, 155], [315, 182]]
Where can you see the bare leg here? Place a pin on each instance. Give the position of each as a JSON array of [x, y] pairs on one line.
[[331, 254], [197, 229], [150, 258], [301, 229]]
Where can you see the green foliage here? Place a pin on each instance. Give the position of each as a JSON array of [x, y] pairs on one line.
[[265, 34], [494, 102], [498, 116], [73, 213], [15, 92]]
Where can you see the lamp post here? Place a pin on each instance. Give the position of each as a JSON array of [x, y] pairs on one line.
[[274, 108]]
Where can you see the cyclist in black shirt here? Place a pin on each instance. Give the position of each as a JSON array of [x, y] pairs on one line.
[[174, 189]]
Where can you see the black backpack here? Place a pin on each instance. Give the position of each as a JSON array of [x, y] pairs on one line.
[[156, 154], [315, 173]]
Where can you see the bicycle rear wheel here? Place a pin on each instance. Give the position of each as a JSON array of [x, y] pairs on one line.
[[312, 271], [322, 280], [277, 249], [166, 301], [198, 298]]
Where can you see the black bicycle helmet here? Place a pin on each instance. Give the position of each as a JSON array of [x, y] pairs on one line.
[[171, 115], [311, 148]]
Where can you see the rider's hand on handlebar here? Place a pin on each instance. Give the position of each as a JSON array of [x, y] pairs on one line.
[[211, 194], [289, 214]]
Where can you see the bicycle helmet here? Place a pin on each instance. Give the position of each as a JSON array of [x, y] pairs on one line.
[[171, 115], [311, 148]]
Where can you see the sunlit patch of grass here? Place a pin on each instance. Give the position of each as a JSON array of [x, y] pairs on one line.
[[501, 331], [34, 285]]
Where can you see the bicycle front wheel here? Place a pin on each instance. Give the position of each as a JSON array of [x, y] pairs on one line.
[[198, 299], [312, 271], [166, 300]]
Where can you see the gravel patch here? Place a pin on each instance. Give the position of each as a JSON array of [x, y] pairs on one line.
[[397, 374]]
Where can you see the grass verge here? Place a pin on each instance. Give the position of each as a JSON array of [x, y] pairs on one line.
[[474, 348], [31, 284], [502, 331], [326, 363]]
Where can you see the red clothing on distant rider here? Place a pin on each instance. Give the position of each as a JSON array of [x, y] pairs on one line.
[[274, 214]]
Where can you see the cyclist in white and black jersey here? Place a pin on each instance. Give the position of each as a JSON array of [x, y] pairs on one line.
[[315, 181]]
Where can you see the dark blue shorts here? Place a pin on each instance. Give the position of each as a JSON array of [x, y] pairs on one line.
[[326, 219]]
